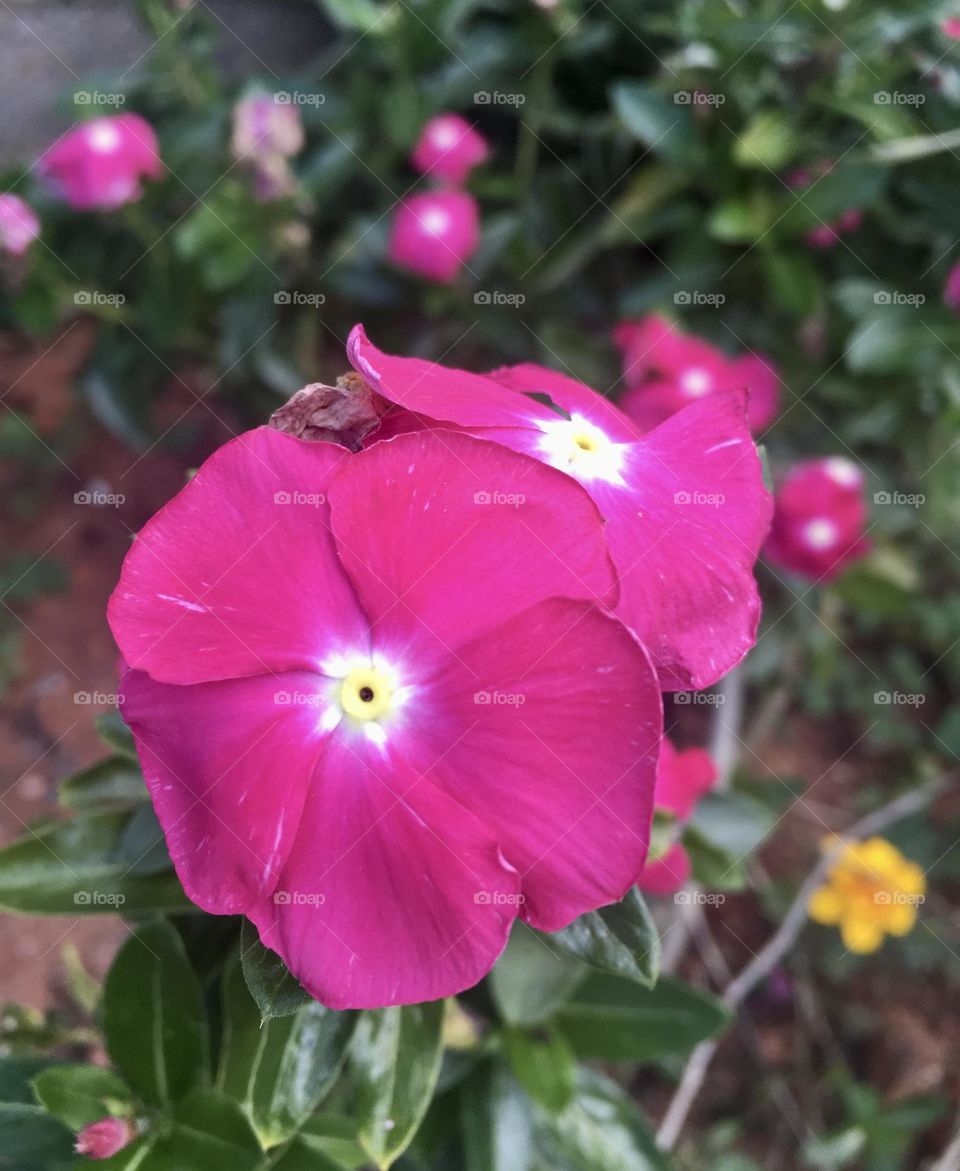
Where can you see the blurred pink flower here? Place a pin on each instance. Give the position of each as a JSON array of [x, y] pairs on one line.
[[19, 225], [827, 235], [99, 164], [435, 233], [448, 149], [951, 27], [819, 519], [266, 133], [951, 289], [666, 369], [102, 1139]]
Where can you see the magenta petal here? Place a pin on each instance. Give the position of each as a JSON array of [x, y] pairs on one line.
[[683, 778], [393, 893], [684, 536], [441, 392], [228, 766], [238, 574], [668, 873], [444, 536], [554, 721], [574, 397]]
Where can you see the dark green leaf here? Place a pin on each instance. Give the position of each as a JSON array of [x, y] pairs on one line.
[[271, 983], [621, 939], [532, 978], [496, 1121], [545, 1066], [661, 124], [113, 731], [143, 847], [80, 1094], [114, 781], [28, 1133]]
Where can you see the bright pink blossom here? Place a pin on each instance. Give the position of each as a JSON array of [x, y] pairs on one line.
[[951, 290], [101, 1140], [19, 225], [435, 233], [666, 369], [682, 779], [951, 27], [266, 133], [820, 518], [684, 505], [448, 149], [380, 709], [100, 164]]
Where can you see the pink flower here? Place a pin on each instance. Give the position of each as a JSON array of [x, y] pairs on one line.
[[380, 707], [666, 369], [435, 233], [951, 27], [100, 163], [682, 779], [951, 290], [685, 506], [265, 134], [102, 1139], [820, 517], [448, 149], [19, 225]]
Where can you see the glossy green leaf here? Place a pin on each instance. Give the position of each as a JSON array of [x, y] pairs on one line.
[[75, 868], [616, 1019], [143, 847], [271, 983], [80, 1094], [111, 782], [621, 939], [532, 978], [279, 1070], [496, 1121], [394, 1063], [543, 1065], [113, 731], [30, 1137], [662, 124], [154, 1019]]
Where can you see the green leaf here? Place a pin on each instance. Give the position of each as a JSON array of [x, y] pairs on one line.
[[111, 782], [113, 731], [713, 868], [767, 142], [621, 939], [280, 1070], [80, 1094], [212, 1113], [271, 983], [496, 1121], [143, 847], [544, 1067], [75, 868], [743, 220], [532, 978], [28, 1133], [154, 1020], [615, 1019], [600, 1130], [662, 125], [733, 822], [395, 1062], [793, 279]]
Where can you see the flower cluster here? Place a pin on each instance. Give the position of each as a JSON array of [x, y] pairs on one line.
[[388, 701]]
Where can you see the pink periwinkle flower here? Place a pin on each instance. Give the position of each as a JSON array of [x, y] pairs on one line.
[[820, 518], [682, 779], [19, 224], [435, 233], [101, 163], [266, 133], [684, 505], [951, 27], [666, 369], [448, 149], [951, 290], [101, 1140], [382, 706]]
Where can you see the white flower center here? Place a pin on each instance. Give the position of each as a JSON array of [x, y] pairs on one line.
[[364, 693], [842, 471], [821, 533], [103, 137], [435, 222], [696, 382], [579, 448]]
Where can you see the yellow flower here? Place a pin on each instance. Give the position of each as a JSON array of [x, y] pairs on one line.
[[871, 891]]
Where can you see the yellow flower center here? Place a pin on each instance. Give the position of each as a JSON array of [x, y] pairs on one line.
[[366, 693]]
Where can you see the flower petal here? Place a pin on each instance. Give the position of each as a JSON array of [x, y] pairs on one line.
[[238, 574], [445, 536], [572, 396], [668, 873], [393, 893], [555, 722]]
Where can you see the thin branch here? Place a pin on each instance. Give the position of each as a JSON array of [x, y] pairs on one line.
[[777, 946]]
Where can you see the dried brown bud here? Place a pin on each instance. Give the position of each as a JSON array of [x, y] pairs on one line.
[[344, 413]]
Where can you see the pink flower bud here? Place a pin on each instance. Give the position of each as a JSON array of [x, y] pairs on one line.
[[951, 290], [435, 233], [448, 149], [19, 225], [265, 129], [100, 164], [102, 1139]]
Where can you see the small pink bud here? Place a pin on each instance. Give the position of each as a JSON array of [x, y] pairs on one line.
[[448, 149], [102, 1139], [19, 225], [435, 233]]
